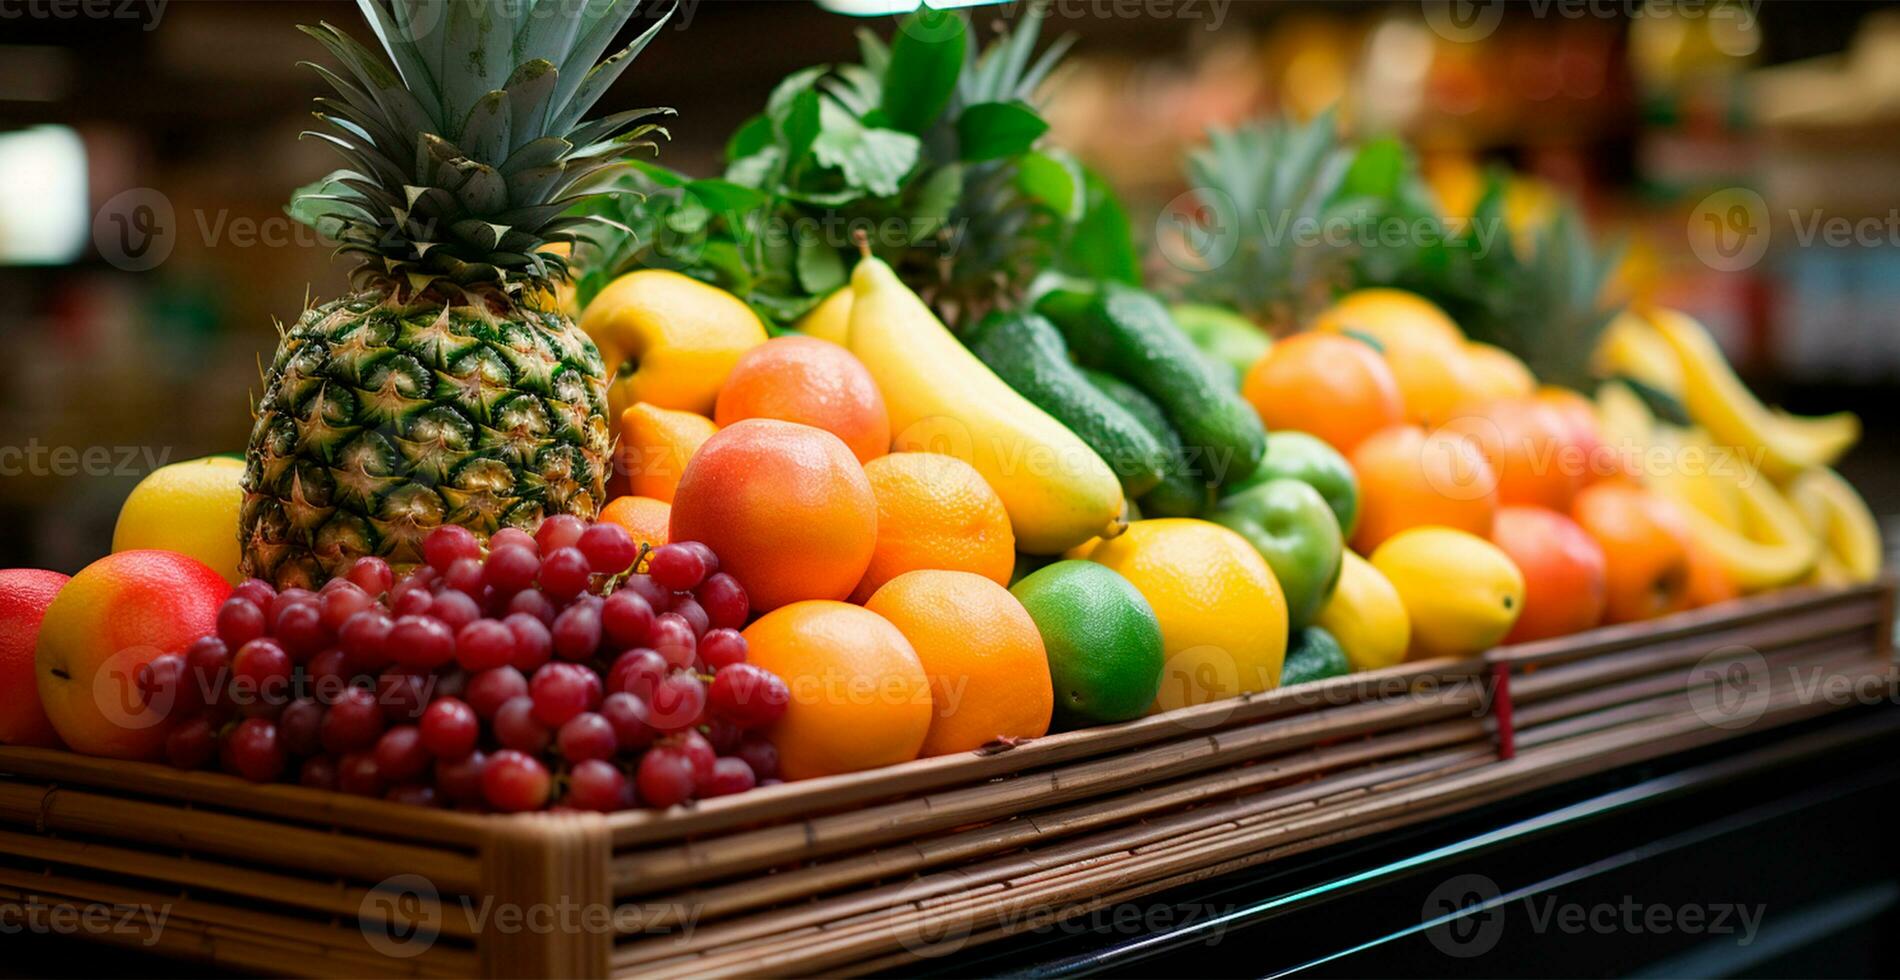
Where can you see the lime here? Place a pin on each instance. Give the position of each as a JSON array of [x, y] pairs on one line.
[[1314, 655], [1103, 642]]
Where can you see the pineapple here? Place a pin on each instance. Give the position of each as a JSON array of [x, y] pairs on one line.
[[448, 388]]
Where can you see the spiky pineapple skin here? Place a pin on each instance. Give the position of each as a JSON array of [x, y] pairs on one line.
[[383, 418]]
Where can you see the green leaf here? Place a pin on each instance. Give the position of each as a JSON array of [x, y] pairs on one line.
[[663, 176], [876, 160], [754, 170], [1378, 170], [926, 58], [933, 201], [993, 130], [1053, 179], [820, 267], [751, 137], [727, 199], [798, 127], [1103, 245]]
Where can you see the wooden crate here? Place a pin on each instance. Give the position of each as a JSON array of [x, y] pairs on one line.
[[875, 870]]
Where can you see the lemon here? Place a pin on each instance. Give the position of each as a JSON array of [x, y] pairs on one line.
[[1223, 617], [1366, 616], [190, 508], [1460, 591]]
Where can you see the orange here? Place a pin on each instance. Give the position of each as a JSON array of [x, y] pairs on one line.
[[786, 507], [1409, 479], [1398, 320], [804, 379], [1709, 581], [1646, 546], [655, 444], [115, 616], [644, 517], [1565, 574], [1499, 373], [1580, 415], [1531, 449], [989, 673], [935, 511], [860, 698], [1333, 387]]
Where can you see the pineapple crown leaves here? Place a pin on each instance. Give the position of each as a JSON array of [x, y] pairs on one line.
[[466, 148], [1259, 185]]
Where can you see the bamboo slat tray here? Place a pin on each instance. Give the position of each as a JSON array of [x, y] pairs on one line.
[[877, 869]]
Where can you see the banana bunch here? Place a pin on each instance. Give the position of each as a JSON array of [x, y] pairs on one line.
[[1754, 483]]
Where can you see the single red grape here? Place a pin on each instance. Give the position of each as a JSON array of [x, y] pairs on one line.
[[165, 685], [576, 632], [239, 622], [460, 780], [455, 609], [253, 751], [748, 696], [465, 576], [490, 689], [514, 782], [730, 775], [761, 755], [699, 751], [721, 648], [365, 637], [209, 661], [352, 724], [677, 702], [447, 543], [410, 598], [403, 693], [358, 773], [300, 629], [673, 638], [658, 597], [561, 691], [628, 716], [449, 728], [665, 777], [724, 600], [627, 619], [559, 531], [676, 567], [421, 642], [597, 785], [688, 608], [300, 727], [587, 736], [565, 573], [256, 591], [340, 600], [637, 672], [484, 645], [193, 744], [400, 754], [372, 575], [512, 537], [516, 728], [610, 550], [534, 642], [512, 567], [533, 602], [724, 735], [261, 670], [286, 599]]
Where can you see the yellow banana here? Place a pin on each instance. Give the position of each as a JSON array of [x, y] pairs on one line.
[[1623, 421], [1773, 547], [1717, 400], [1631, 347], [1057, 491], [1837, 516]]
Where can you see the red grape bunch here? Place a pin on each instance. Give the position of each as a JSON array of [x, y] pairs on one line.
[[550, 670]]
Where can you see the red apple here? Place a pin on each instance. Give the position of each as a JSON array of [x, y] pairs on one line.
[[1565, 573], [24, 595]]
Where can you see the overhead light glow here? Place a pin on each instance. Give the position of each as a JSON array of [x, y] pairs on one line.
[[43, 218], [884, 8]]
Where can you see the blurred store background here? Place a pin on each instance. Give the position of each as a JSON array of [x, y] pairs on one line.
[[1748, 154]]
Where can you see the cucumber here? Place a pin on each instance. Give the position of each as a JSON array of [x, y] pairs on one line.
[[1180, 492], [1131, 335], [1314, 655], [1028, 353]]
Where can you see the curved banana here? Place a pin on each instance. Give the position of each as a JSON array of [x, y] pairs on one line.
[[1718, 401], [1837, 517], [1631, 347], [1624, 424], [1773, 546]]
